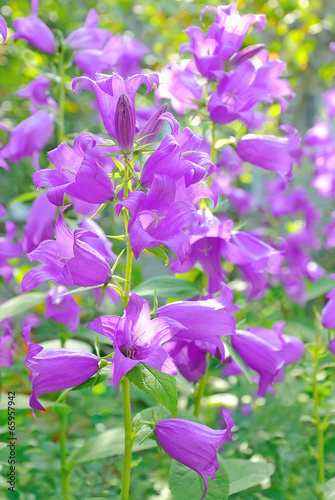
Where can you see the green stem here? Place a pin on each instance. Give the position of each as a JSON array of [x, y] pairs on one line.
[[61, 97], [64, 468], [318, 423], [200, 390], [213, 149], [128, 441]]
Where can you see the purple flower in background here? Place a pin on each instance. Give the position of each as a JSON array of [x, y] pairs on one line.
[[56, 369], [119, 123], [37, 92], [178, 155], [319, 134], [89, 36], [158, 219], [29, 137], [33, 234], [7, 344], [8, 251], [3, 29], [241, 199], [62, 309], [329, 230], [267, 351], [136, 338], [270, 152], [68, 260], [329, 100], [35, 31], [194, 445], [328, 312], [235, 96], [332, 346], [78, 172], [181, 85]]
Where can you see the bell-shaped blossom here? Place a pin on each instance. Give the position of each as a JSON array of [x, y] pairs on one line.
[[3, 29], [102, 244], [136, 338], [35, 31], [29, 137], [158, 219], [33, 234], [67, 260], [108, 90], [328, 312], [37, 92], [194, 445], [78, 172], [62, 309], [178, 155], [56, 369], [267, 351], [236, 95], [8, 251], [7, 344], [270, 152], [180, 84], [89, 36]]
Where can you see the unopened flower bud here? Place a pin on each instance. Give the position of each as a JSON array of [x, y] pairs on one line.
[[124, 124]]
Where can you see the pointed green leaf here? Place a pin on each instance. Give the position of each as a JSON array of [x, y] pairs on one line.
[[244, 474], [21, 304], [161, 386], [167, 287], [160, 253]]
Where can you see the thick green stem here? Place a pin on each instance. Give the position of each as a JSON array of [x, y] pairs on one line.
[[61, 98], [318, 423], [213, 149], [64, 469], [200, 391], [128, 441]]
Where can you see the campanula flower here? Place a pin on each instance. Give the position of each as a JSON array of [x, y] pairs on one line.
[[35, 31], [67, 260], [33, 234], [3, 29], [56, 369], [136, 338], [37, 92], [328, 314], [8, 251], [158, 219], [89, 36], [194, 445], [7, 344], [62, 309], [332, 346]]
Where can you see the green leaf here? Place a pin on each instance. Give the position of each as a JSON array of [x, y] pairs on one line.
[[20, 304], [22, 402], [185, 483], [319, 288], [159, 385], [244, 474], [160, 253], [27, 196], [106, 444], [329, 489], [167, 287]]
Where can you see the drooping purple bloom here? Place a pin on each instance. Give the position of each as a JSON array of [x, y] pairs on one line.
[[270, 152], [3, 29], [37, 92], [7, 344], [35, 31], [56, 369], [8, 251], [236, 95], [136, 338], [181, 85], [67, 260], [78, 172], [178, 155], [33, 234], [29, 137], [194, 445], [328, 312], [89, 36], [267, 351], [108, 90], [158, 219], [62, 309]]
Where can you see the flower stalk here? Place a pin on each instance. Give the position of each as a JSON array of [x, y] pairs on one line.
[[318, 422]]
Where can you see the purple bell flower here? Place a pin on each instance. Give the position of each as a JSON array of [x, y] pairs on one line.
[[33, 234], [136, 338], [158, 219], [56, 369], [124, 124], [328, 312], [37, 92], [35, 31], [332, 346], [62, 309], [68, 260], [194, 445], [7, 344], [8, 251], [3, 29], [89, 36]]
